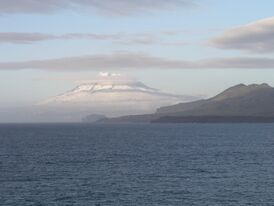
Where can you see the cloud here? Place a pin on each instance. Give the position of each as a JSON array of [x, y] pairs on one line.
[[24, 38], [129, 61], [255, 37], [120, 38], [109, 7]]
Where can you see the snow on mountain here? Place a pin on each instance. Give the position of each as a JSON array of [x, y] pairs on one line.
[[114, 94]]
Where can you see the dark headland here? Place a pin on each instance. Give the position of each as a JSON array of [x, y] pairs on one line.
[[239, 104]]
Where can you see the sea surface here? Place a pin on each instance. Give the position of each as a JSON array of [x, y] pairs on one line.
[[153, 164]]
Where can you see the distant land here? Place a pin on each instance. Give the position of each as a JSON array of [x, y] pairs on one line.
[[108, 94], [94, 118], [240, 103]]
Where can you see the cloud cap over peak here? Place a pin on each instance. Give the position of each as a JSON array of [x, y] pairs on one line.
[[256, 37]]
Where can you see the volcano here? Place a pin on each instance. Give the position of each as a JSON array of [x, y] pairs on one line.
[[112, 95]]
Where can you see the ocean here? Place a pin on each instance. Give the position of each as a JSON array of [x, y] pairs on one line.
[[143, 164]]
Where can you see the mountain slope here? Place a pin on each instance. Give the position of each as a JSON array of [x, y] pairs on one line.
[[240, 100], [112, 95], [241, 103], [104, 92]]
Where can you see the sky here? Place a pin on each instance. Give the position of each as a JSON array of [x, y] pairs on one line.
[[197, 47]]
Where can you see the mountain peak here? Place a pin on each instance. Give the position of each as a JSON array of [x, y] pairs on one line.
[[250, 85], [114, 94], [239, 85], [263, 85], [239, 100], [240, 90]]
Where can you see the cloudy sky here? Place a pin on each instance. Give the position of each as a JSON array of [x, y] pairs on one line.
[[197, 47]]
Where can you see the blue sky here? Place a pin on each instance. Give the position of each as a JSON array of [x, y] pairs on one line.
[[175, 32]]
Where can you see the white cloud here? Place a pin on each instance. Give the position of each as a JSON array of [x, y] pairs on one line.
[[254, 37], [108, 74]]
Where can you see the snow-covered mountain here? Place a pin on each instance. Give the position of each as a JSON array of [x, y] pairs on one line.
[[113, 94]]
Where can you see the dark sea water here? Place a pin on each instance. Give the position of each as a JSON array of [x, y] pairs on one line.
[[161, 164]]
